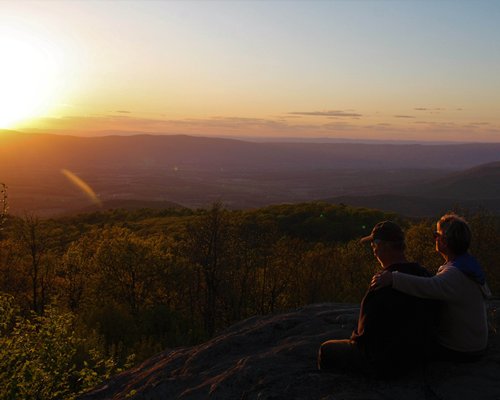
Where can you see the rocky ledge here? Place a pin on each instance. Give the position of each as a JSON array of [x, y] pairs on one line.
[[274, 357]]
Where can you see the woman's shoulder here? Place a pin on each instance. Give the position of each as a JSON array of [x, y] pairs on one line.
[[447, 268], [453, 275]]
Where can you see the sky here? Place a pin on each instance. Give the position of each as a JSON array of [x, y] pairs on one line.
[[387, 70]]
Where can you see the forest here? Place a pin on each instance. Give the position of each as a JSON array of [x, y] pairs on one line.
[[84, 297]]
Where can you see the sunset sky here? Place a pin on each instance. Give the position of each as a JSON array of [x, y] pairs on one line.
[[398, 70]]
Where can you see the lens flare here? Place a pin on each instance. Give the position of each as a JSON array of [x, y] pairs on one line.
[[83, 186]]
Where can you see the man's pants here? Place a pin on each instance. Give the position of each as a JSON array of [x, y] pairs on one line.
[[342, 356]]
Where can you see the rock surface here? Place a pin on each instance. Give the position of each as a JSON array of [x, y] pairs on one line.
[[274, 357]]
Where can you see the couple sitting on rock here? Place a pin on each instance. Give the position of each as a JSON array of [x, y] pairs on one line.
[[409, 317]]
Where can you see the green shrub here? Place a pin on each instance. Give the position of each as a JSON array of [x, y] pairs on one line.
[[41, 356]]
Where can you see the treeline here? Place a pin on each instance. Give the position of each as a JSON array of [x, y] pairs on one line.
[[122, 283]]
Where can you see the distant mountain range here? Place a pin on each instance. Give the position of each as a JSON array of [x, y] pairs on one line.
[[196, 171], [482, 182], [474, 188], [148, 151]]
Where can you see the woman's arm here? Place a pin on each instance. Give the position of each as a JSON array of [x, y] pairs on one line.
[[443, 286]]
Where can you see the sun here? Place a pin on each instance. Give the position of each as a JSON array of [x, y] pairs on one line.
[[30, 71]]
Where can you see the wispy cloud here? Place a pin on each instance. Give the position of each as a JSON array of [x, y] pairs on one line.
[[404, 116], [407, 128], [478, 125], [431, 109], [338, 126], [331, 113], [123, 112]]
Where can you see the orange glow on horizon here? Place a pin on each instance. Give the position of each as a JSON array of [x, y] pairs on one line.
[[197, 68]]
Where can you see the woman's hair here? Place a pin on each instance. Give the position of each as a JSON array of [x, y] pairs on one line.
[[456, 232]]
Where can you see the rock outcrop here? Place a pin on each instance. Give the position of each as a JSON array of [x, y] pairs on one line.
[[274, 357]]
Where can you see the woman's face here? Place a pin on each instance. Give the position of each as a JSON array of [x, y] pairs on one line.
[[439, 239]]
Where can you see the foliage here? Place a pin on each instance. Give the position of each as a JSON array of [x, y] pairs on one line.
[[420, 245], [324, 222], [39, 356], [87, 292], [485, 238], [3, 204]]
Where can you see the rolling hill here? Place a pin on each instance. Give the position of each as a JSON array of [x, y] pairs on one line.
[[474, 188], [150, 152], [196, 171], [482, 181]]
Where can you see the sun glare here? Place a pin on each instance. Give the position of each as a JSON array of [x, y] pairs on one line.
[[29, 77]]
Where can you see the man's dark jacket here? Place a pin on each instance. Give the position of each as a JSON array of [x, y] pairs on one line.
[[395, 330]]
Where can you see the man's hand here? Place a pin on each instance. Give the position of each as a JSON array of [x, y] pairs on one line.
[[381, 280]]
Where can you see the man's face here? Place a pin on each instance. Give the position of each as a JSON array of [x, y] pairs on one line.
[[378, 249]]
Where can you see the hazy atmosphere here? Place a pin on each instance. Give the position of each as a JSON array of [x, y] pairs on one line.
[[389, 70], [189, 190]]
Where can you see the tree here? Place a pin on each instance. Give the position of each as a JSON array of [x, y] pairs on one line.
[[76, 271], [206, 246], [39, 267], [248, 248], [485, 238], [318, 279], [354, 266], [3, 204], [421, 247], [130, 266], [278, 276]]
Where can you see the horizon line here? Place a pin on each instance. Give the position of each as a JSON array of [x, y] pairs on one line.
[[248, 138]]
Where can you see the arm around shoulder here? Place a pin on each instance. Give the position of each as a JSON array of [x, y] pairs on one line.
[[443, 286]]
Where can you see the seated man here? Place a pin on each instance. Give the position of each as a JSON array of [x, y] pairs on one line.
[[459, 285], [394, 329]]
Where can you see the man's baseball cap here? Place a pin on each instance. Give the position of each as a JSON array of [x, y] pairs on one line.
[[387, 231]]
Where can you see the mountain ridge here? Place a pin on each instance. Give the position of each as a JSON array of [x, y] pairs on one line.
[[197, 171], [67, 150]]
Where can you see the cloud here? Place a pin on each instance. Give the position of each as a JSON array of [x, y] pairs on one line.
[[429, 109], [273, 126], [338, 126], [123, 112], [478, 125], [331, 113], [404, 116]]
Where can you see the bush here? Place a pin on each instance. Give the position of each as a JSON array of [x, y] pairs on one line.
[[41, 356]]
